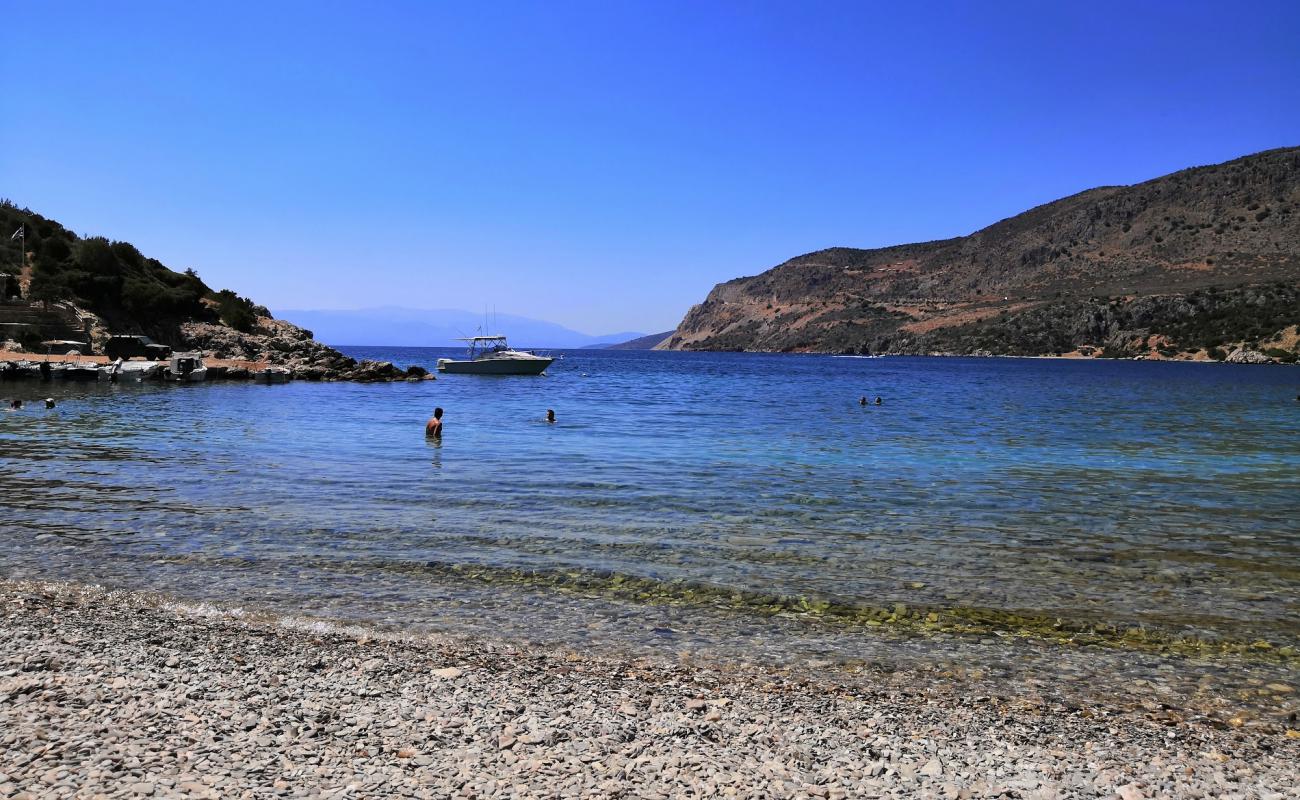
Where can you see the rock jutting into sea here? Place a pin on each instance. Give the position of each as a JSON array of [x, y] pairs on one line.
[[112, 694], [284, 344], [74, 293]]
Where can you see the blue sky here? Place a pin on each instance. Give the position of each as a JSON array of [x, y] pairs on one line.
[[603, 164]]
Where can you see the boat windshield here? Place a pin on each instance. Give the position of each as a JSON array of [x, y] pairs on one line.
[[483, 345]]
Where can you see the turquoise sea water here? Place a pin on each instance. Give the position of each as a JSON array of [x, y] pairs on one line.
[[1120, 524]]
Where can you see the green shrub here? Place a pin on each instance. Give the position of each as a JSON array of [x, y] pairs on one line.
[[96, 257], [47, 286], [237, 312], [55, 250], [127, 255]]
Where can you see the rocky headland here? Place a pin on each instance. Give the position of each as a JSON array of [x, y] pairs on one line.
[[1203, 264], [283, 344], [112, 694], [65, 287]]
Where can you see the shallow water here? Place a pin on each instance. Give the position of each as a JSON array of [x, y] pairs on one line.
[[1110, 525]]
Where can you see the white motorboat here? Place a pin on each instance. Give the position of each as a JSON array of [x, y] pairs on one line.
[[140, 371], [491, 355], [187, 368], [272, 375]]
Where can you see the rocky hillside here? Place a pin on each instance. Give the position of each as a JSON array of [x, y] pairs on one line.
[[1195, 264], [67, 286], [641, 342]]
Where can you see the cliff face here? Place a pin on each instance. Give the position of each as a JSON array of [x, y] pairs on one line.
[[1104, 250]]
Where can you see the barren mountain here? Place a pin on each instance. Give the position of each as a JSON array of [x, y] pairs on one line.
[[1189, 265]]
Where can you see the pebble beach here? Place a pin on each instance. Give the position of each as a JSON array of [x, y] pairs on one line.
[[114, 694]]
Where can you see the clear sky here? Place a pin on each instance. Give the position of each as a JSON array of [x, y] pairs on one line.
[[603, 164]]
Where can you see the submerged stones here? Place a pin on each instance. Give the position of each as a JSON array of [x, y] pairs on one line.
[[896, 617]]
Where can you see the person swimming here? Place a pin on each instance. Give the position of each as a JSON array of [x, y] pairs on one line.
[[863, 401], [16, 405], [49, 402], [433, 428], [879, 402], [550, 415]]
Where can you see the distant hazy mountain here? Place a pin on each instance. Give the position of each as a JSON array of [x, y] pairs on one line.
[[409, 327]]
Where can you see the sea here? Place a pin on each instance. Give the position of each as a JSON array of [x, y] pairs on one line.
[[1053, 531]]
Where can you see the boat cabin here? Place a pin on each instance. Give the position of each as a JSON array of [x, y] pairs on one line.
[[184, 363], [482, 345]]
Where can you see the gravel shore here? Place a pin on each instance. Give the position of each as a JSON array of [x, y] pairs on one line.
[[107, 694]]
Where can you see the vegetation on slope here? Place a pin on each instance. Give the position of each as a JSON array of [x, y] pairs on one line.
[[1201, 324], [112, 279]]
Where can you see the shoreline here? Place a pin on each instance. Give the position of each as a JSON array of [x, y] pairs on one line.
[[122, 694], [231, 369], [1062, 357]]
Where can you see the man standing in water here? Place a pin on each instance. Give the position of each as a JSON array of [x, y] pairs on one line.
[[433, 428]]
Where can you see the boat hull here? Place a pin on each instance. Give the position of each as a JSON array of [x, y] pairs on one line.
[[79, 373], [196, 376], [495, 366], [148, 373], [272, 376]]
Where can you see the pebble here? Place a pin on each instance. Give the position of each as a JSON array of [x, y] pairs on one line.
[[260, 710]]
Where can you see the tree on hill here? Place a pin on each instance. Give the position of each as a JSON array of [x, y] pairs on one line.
[[46, 287], [237, 312]]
